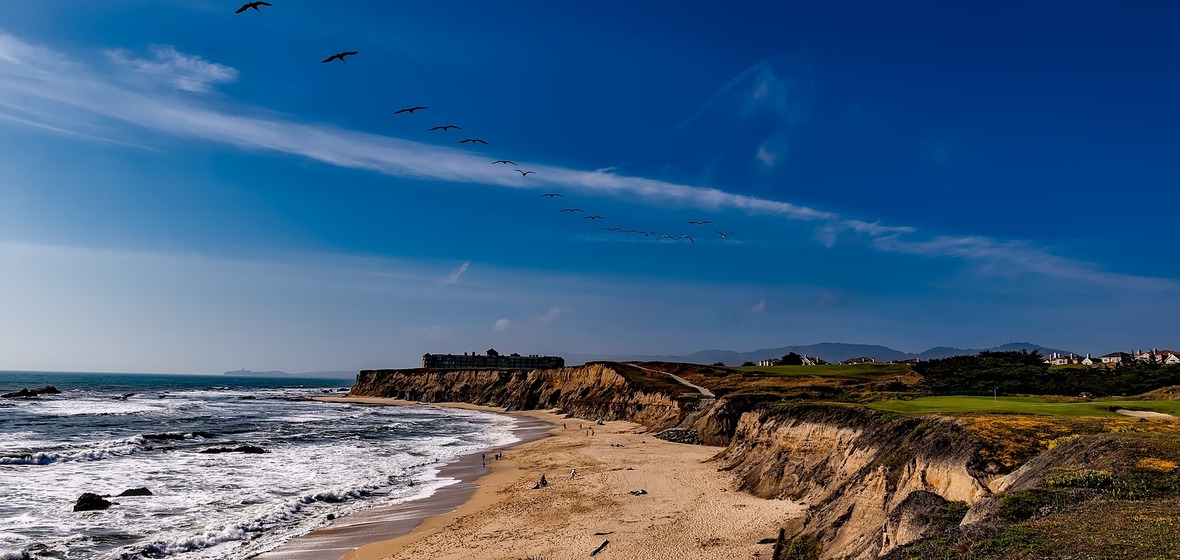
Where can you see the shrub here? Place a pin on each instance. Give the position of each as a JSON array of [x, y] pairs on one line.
[[1080, 478]]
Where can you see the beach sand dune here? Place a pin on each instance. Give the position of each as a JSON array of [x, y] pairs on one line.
[[687, 510]]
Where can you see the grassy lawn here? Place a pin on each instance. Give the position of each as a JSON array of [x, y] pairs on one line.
[[1021, 405], [864, 370]]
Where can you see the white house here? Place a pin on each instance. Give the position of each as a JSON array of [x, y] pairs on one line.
[[1167, 357], [1117, 358]]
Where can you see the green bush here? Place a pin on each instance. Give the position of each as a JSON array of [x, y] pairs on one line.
[[1080, 478], [1034, 502]]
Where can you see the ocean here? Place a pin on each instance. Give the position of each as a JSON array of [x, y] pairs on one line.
[[107, 433]]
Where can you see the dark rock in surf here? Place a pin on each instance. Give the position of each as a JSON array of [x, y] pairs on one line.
[[251, 449], [136, 492], [29, 393], [91, 502]]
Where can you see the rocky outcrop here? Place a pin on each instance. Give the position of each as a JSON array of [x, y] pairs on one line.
[[866, 478], [28, 393], [91, 502], [135, 492], [596, 391], [249, 449]]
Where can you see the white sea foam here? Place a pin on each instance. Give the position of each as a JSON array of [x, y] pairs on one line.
[[323, 458]]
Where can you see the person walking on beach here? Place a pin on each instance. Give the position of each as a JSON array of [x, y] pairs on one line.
[[573, 473]]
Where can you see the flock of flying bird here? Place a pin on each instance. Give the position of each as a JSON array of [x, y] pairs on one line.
[[256, 6]]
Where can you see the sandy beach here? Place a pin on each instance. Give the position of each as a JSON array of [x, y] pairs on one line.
[[687, 508]]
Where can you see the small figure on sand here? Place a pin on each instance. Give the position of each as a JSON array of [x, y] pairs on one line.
[[541, 484], [573, 473]]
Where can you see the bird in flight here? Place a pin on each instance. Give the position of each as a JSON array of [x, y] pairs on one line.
[[472, 141], [444, 128], [411, 110], [551, 195], [504, 161], [592, 217], [340, 56], [253, 5], [666, 237], [612, 229], [526, 173], [688, 237], [724, 235], [572, 210], [699, 223]]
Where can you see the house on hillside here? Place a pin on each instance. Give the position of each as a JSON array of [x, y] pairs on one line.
[[770, 362], [1166, 357], [858, 361], [1088, 361], [908, 362], [1056, 359], [1117, 358], [813, 361]]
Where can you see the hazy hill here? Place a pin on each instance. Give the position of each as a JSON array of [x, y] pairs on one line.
[[829, 351], [302, 375]]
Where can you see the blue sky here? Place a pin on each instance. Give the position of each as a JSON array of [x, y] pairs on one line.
[[190, 190]]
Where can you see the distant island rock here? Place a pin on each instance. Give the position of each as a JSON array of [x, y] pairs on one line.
[[283, 374]]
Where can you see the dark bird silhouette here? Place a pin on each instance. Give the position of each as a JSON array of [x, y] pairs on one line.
[[612, 229], [340, 56], [551, 195], [504, 161], [688, 237], [724, 235], [526, 173], [253, 5], [592, 217], [572, 210], [444, 128], [411, 110], [666, 237], [702, 222], [472, 141]]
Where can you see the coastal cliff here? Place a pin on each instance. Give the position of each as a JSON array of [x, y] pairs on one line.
[[597, 391], [871, 482]]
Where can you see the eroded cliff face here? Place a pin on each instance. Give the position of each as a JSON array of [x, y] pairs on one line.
[[590, 391], [871, 483]]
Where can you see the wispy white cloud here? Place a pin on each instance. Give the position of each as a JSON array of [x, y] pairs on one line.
[[758, 308], [551, 315], [455, 275], [501, 325], [41, 84], [182, 71]]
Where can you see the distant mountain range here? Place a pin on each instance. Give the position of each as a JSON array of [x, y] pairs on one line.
[[833, 352], [303, 375]]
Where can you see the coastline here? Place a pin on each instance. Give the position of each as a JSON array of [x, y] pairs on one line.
[[644, 497], [381, 523]]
